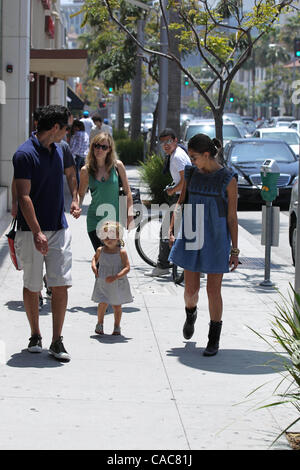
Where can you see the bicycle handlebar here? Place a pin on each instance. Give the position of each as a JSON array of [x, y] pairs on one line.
[[169, 186]]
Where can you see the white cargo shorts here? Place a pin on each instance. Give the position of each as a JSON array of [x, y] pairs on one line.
[[58, 260]]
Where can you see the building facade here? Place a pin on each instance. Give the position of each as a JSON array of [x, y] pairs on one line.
[[34, 67]]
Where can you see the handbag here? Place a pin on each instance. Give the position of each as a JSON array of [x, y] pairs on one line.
[[136, 195], [11, 244]]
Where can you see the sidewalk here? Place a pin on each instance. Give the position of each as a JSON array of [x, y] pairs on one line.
[[149, 388]]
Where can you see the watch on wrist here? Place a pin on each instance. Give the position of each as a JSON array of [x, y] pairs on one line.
[[235, 251]]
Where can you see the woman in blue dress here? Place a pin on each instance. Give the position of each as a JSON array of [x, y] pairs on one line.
[[208, 237]]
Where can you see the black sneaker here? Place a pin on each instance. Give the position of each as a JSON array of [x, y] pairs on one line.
[[57, 350], [35, 344]]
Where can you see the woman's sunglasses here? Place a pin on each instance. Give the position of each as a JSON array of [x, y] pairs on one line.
[[100, 146]]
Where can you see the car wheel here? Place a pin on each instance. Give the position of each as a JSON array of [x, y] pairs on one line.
[[293, 241]]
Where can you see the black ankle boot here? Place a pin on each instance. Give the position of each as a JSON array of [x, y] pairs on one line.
[[213, 338], [188, 327]]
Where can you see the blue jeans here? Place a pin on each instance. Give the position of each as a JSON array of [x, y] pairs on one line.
[[79, 162]]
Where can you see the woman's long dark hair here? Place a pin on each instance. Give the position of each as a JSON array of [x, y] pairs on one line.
[[77, 126], [201, 143]]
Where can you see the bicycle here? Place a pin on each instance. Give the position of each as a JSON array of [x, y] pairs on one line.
[[147, 239]]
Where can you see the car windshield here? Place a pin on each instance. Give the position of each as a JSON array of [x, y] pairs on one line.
[[249, 152], [282, 124], [290, 138], [229, 132]]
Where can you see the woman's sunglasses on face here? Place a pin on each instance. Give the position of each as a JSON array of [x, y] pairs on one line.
[[100, 146]]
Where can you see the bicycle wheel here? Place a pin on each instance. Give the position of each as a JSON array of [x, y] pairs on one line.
[[147, 238], [177, 274]]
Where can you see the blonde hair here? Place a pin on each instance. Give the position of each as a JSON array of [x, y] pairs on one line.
[[111, 157], [111, 229]]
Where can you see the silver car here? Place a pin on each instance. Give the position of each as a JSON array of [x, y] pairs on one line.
[[207, 126], [290, 136], [293, 211]]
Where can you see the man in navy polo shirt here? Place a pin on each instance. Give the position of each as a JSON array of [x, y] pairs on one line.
[[43, 234]]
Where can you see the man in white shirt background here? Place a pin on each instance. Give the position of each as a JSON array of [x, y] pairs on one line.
[[177, 159], [87, 121], [106, 127]]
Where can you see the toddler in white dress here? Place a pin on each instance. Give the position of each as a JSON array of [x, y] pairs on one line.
[[110, 265]]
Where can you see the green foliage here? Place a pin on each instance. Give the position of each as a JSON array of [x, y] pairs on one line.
[[151, 174], [202, 29], [240, 97], [112, 55], [285, 335], [119, 134], [130, 151]]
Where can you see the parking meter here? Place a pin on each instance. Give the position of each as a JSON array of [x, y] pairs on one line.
[[269, 172]]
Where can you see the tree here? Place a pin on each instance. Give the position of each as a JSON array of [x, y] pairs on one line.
[[113, 57], [223, 46]]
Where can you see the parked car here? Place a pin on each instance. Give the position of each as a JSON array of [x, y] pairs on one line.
[[295, 125], [238, 121], [147, 123], [249, 123], [275, 119], [201, 126], [245, 156], [290, 136], [282, 124], [186, 117], [293, 211], [127, 119]]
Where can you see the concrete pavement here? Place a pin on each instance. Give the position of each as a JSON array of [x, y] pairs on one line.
[[149, 388]]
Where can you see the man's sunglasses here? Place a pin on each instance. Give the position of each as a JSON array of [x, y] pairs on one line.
[[166, 142], [100, 146]]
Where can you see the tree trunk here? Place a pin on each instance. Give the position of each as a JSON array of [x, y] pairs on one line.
[[218, 117], [136, 103], [253, 85], [120, 113], [174, 79], [153, 130]]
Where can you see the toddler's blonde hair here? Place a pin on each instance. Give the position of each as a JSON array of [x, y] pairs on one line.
[[112, 228]]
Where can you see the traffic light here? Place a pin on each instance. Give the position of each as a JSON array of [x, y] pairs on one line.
[[297, 47], [231, 98], [186, 80], [102, 104], [110, 89]]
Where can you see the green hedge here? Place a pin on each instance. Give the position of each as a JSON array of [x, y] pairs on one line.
[[152, 175], [118, 135], [130, 151]]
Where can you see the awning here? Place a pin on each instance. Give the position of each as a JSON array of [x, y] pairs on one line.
[[59, 63], [74, 101]]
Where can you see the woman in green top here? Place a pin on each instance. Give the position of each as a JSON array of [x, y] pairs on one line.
[[100, 174]]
